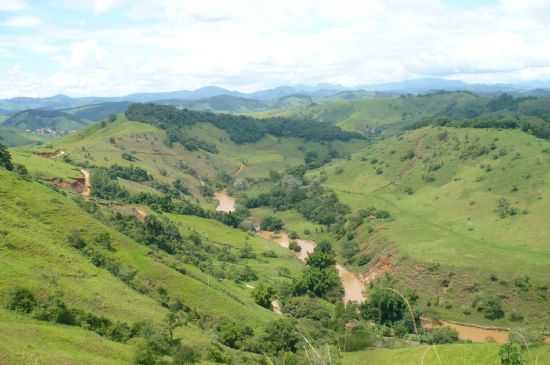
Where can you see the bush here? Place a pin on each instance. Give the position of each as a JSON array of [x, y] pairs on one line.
[[492, 308], [233, 334], [5, 158], [281, 336], [21, 300], [272, 223], [294, 246], [76, 240], [438, 336], [510, 354], [306, 307], [186, 355], [263, 295]]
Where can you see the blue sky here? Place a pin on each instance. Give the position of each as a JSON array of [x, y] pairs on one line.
[[115, 47]]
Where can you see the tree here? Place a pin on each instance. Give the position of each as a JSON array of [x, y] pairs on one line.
[[21, 300], [5, 158], [186, 355], [384, 307], [144, 355], [322, 257], [281, 336], [510, 354], [492, 308], [234, 334], [263, 295], [317, 282], [271, 223]]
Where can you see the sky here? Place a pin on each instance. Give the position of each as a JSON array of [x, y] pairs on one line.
[[117, 47]]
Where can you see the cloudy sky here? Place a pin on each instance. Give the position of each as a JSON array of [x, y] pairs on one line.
[[115, 47]]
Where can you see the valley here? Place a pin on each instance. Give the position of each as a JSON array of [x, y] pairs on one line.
[[220, 230]]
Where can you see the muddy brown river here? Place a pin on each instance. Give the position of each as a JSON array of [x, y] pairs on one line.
[[354, 285]]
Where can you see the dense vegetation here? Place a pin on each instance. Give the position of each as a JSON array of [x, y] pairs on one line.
[[530, 114], [5, 158], [241, 129], [204, 287]]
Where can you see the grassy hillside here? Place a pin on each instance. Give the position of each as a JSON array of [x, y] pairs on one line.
[[25, 341], [13, 137], [365, 113], [44, 119], [145, 145], [36, 224], [97, 112], [446, 354], [468, 211]]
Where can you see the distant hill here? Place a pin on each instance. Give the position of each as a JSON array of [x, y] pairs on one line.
[[220, 103], [38, 119], [97, 112]]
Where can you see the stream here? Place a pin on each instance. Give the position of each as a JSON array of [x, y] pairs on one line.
[[354, 285]]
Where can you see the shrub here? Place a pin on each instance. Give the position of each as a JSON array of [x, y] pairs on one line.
[[510, 354], [5, 158], [21, 300], [76, 241], [263, 295], [439, 336], [271, 223], [492, 308], [516, 317], [281, 336], [306, 307], [294, 246], [186, 355], [233, 334], [269, 253]]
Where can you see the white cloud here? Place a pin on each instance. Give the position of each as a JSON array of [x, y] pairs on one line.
[[248, 44], [22, 21], [101, 6], [12, 5]]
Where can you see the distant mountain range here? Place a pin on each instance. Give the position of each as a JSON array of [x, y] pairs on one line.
[[415, 86]]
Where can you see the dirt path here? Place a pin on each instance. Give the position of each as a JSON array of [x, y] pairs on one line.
[[140, 214], [226, 203], [87, 190], [470, 332], [241, 169]]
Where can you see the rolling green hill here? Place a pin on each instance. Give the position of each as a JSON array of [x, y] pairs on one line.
[[97, 112], [467, 208], [38, 256], [452, 217], [15, 137], [35, 119]]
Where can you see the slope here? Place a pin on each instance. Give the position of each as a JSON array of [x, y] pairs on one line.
[[468, 211], [36, 119]]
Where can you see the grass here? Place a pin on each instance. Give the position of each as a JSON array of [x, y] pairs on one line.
[[267, 268], [105, 145], [363, 114], [44, 168], [469, 354], [452, 221], [36, 222], [25, 341]]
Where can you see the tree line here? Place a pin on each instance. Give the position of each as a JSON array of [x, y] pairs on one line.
[[241, 129]]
